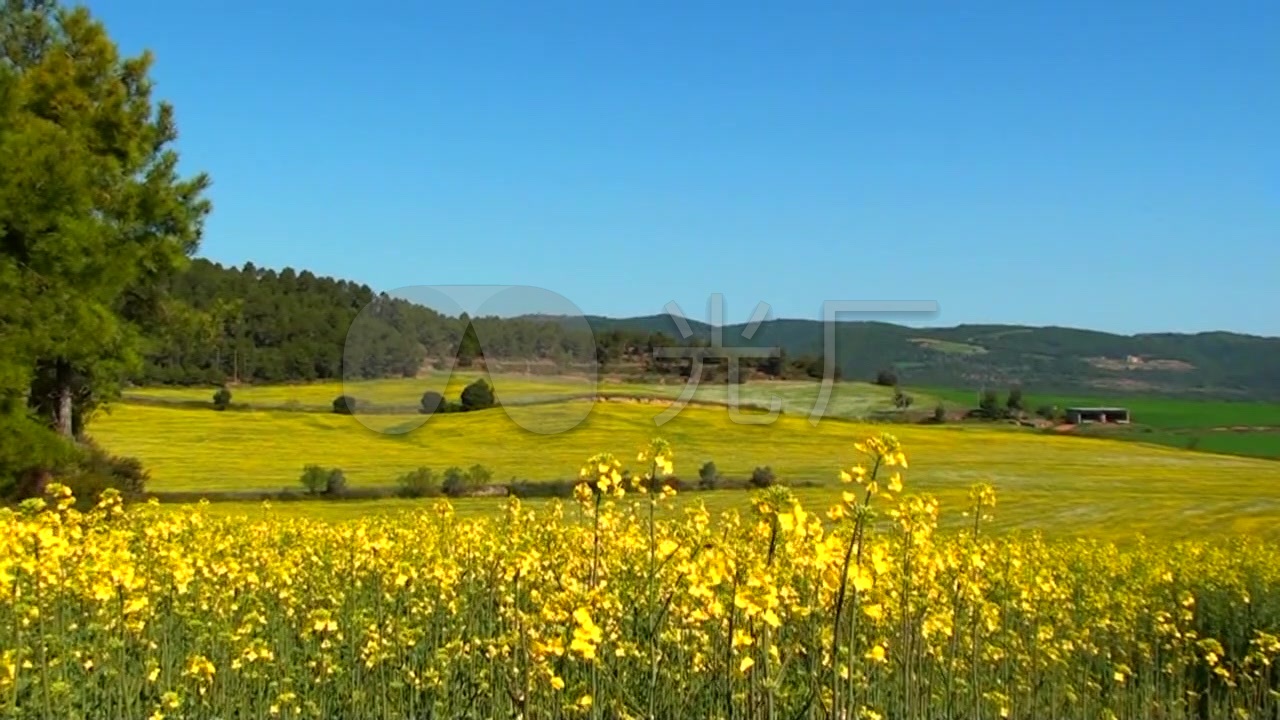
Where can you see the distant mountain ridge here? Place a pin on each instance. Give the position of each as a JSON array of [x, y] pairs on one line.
[[1210, 364]]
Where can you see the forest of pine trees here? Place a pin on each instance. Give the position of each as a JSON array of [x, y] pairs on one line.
[[258, 325], [252, 324]]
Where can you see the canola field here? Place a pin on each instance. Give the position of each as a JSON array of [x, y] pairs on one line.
[[1064, 485], [615, 605], [847, 399]]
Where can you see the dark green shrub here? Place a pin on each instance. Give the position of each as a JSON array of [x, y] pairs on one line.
[[939, 414], [901, 400], [708, 476], [763, 477], [87, 487], [30, 456], [478, 475], [221, 399], [989, 406], [315, 479], [129, 475], [418, 483], [887, 378], [344, 404], [93, 473], [477, 396], [125, 474], [432, 402], [459, 482], [1015, 403], [455, 482], [335, 483]]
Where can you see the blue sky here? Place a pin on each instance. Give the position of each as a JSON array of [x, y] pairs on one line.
[[1110, 165]]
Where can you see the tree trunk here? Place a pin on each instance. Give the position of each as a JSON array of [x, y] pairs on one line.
[[33, 483], [62, 411]]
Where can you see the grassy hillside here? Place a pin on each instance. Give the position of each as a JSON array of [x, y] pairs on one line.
[[1204, 365]]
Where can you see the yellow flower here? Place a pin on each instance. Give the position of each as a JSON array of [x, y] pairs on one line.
[[583, 648], [857, 474], [667, 547], [786, 522], [862, 581], [586, 635], [746, 664]]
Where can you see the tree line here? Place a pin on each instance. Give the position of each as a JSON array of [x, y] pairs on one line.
[[251, 324]]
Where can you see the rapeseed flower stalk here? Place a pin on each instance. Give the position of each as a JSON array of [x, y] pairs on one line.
[[659, 455], [601, 476], [883, 451]]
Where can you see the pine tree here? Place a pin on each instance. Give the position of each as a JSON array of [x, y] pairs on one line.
[[93, 214]]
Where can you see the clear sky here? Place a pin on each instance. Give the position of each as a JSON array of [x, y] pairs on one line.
[[1101, 164]]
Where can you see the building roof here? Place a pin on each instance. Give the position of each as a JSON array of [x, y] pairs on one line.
[[1098, 409]]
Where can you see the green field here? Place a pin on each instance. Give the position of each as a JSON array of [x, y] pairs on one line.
[[1165, 413], [1061, 484], [1254, 443], [1216, 426]]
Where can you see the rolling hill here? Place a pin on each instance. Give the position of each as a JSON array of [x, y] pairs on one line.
[[1218, 365]]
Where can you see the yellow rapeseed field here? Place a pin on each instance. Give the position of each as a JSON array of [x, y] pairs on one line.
[[847, 399], [611, 607], [1061, 484], [385, 392]]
